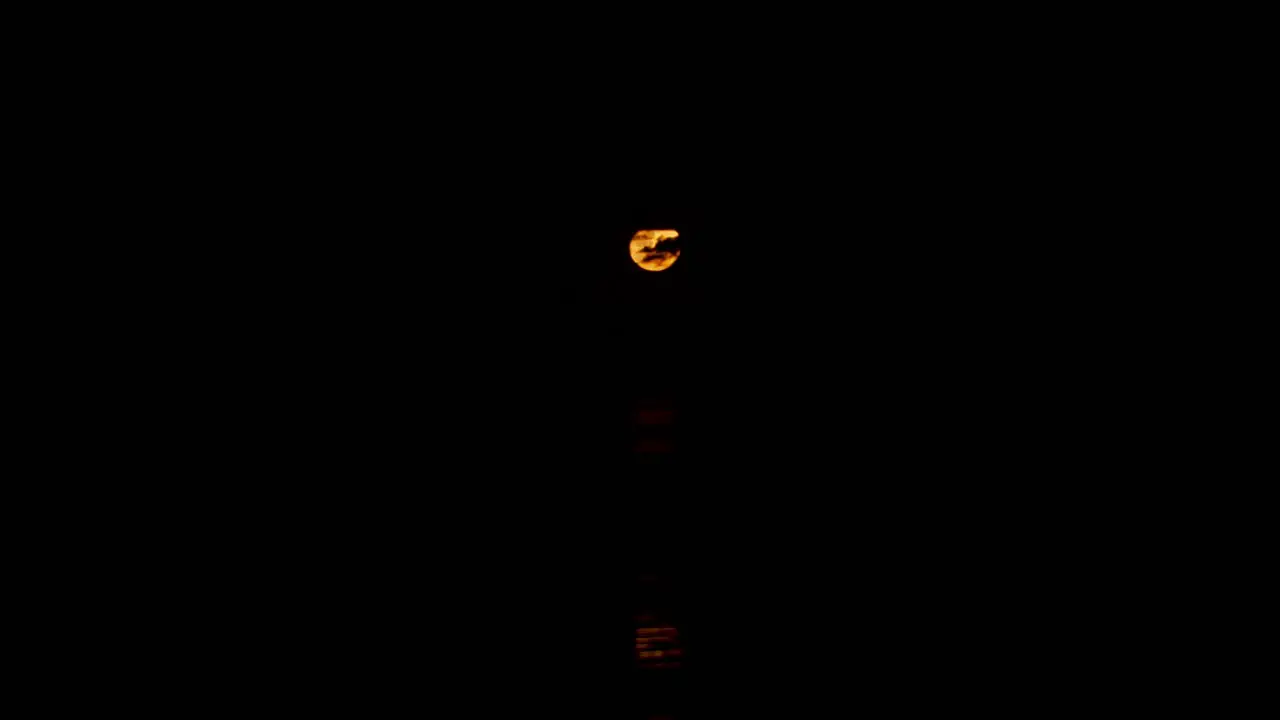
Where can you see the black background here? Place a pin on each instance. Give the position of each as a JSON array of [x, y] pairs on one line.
[[406, 427], [381, 348]]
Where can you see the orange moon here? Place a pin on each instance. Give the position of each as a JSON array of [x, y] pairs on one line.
[[654, 250]]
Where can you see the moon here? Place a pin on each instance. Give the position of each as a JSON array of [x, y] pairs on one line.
[[655, 250]]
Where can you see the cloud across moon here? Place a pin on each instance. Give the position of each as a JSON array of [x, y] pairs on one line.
[[655, 250]]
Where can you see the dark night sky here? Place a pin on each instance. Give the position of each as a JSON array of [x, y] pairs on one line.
[[881, 407], [413, 354]]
